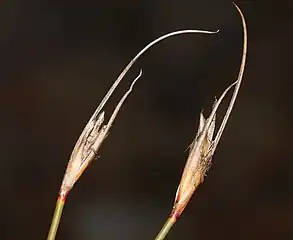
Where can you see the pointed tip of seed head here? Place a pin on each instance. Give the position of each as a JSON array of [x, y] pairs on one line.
[[235, 4], [101, 116], [202, 121]]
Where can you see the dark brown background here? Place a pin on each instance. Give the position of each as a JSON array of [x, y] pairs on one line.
[[58, 59]]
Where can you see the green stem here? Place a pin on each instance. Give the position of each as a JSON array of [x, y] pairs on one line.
[[166, 228], [56, 218]]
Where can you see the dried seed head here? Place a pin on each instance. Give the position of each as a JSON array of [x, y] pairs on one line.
[[199, 158], [95, 132], [84, 151], [204, 146], [88, 144]]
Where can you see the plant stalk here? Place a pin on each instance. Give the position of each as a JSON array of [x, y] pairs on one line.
[[166, 228], [56, 218]]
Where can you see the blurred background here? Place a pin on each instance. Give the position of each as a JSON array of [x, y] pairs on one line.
[[58, 59]]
